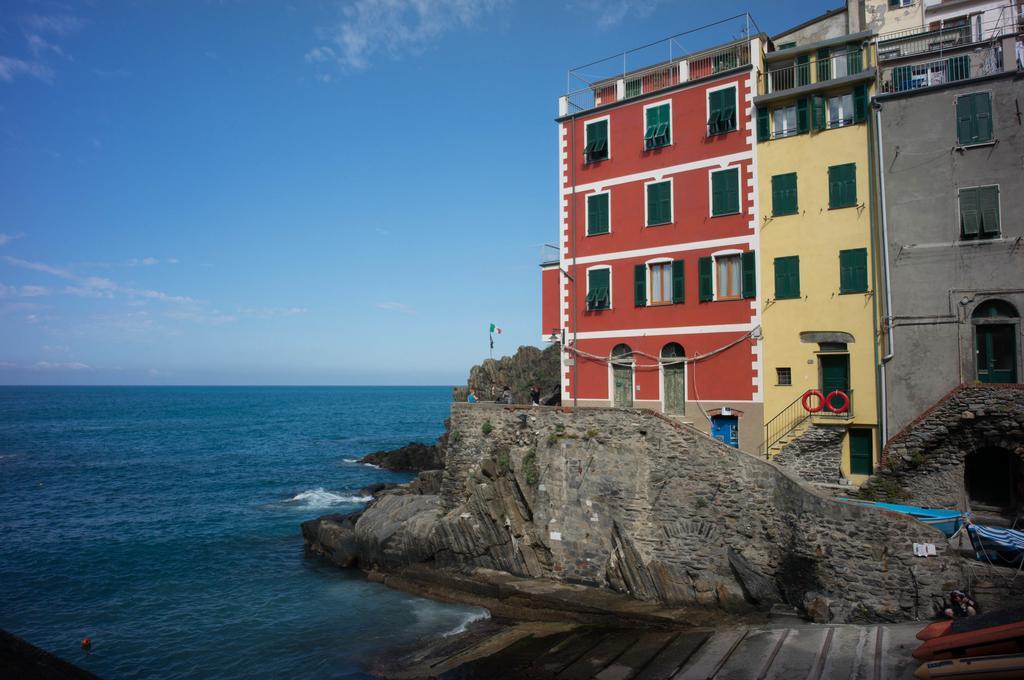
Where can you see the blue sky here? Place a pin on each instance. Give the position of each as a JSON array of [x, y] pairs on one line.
[[304, 192]]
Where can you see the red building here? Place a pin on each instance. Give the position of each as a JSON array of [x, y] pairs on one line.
[[653, 295]]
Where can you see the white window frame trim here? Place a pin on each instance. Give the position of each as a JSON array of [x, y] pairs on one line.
[[671, 203], [647, 264], [771, 122], [739, 190], [707, 107], [586, 125], [714, 273], [828, 110], [586, 209], [671, 126], [611, 301]]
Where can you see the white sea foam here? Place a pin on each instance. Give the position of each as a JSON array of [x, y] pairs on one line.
[[470, 618], [351, 460], [321, 498]]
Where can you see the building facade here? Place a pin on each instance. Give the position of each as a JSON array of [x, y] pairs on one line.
[[654, 293], [819, 289], [952, 174]]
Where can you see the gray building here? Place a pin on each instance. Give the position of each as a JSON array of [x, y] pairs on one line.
[[951, 177]]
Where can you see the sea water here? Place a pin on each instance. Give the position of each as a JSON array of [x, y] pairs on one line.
[[163, 524]]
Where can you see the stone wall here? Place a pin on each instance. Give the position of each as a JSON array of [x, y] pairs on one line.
[[632, 502], [816, 454], [924, 463]]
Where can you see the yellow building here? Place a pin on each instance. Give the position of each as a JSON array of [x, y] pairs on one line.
[[817, 273]]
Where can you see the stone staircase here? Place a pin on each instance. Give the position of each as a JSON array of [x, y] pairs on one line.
[[786, 439]]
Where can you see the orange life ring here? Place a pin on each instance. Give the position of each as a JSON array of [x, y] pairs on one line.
[[840, 393], [812, 393]]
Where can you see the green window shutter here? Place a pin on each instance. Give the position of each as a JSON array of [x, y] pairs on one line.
[[727, 102], [597, 214], [965, 119], [678, 282], [803, 118], [749, 275], [988, 201], [658, 122], [597, 141], [704, 269], [983, 117], [817, 112], [725, 197], [958, 68], [860, 103], [824, 65], [659, 203], [853, 271], [598, 281], [842, 186], [970, 213], [640, 285], [714, 111], [803, 69], [787, 277], [764, 129], [784, 196]]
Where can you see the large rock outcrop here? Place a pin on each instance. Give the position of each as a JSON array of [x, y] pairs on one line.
[[529, 366], [630, 502]]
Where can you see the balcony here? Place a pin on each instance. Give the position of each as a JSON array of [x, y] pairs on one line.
[[669, 63], [806, 71], [981, 45]]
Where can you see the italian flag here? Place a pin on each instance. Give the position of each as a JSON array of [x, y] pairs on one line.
[[495, 329]]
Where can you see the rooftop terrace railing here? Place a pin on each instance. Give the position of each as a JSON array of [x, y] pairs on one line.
[[659, 65], [972, 30], [841, 63]]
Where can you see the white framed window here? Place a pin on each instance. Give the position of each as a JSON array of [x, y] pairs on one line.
[[728, 276], [659, 288], [597, 140], [657, 124], [840, 110], [784, 121], [599, 211], [599, 288], [658, 202]]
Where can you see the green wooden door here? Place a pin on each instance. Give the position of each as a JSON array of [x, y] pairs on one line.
[[861, 453], [835, 375], [623, 386], [675, 388], [997, 356]]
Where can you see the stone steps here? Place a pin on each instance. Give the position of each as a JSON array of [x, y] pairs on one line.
[[805, 651]]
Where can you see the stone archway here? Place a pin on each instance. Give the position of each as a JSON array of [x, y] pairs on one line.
[[992, 479]]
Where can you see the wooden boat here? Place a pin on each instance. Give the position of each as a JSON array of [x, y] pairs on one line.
[[947, 521], [998, 667], [1002, 639]]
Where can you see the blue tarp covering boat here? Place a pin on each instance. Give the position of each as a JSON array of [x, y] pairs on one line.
[[997, 545], [947, 521]]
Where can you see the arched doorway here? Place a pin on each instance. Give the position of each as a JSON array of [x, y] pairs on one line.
[[673, 378], [992, 477], [995, 341], [622, 376]]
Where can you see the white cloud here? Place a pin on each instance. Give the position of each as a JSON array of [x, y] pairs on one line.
[[396, 307], [394, 28], [7, 238], [56, 24], [61, 365], [12, 68], [270, 312], [95, 286], [609, 13]]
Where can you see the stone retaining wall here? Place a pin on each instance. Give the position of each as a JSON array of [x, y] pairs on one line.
[[816, 454], [924, 463]]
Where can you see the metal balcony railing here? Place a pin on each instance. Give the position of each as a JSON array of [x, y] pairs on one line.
[[549, 254], [978, 28], [838, 409], [658, 66], [847, 62]]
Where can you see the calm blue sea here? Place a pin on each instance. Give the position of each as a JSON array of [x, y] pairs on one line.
[[163, 523]]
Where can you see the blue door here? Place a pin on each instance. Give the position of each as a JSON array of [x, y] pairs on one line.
[[726, 429]]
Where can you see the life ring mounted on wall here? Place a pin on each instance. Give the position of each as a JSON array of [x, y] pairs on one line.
[[813, 393], [842, 395]]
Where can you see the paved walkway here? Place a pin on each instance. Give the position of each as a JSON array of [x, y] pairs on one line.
[[797, 652]]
